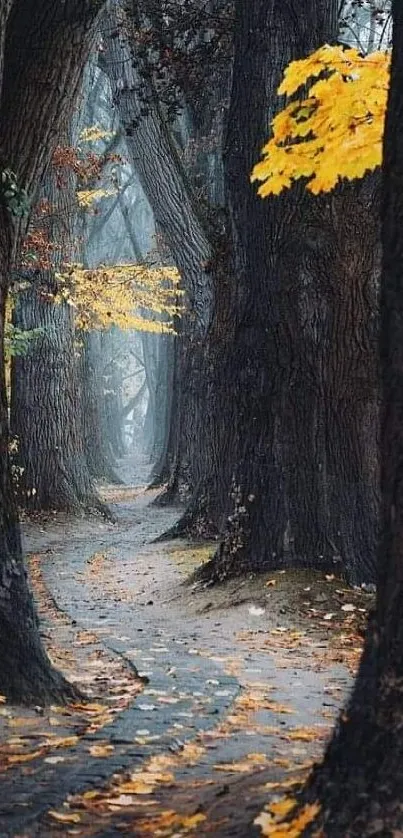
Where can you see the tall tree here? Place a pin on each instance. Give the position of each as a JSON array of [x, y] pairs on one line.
[[50, 42], [359, 785], [296, 399], [281, 442], [45, 394]]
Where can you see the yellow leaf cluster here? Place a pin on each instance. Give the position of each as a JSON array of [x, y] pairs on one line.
[[335, 131], [273, 822], [87, 197], [94, 133], [128, 296]]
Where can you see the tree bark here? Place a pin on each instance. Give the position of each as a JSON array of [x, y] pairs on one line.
[[45, 393], [45, 410], [259, 357], [359, 785], [46, 47], [301, 367]]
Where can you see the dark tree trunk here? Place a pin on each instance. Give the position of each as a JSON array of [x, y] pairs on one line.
[[45, 414], [332, 397], [45, 393], [360, 783], [25, 672], [31, 114], [301, 367], [268, 35]]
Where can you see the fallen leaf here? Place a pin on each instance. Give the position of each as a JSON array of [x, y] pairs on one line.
[[101, 750], [281, 808], [53, 760], [63, 742], [15, 759], [255, 611], [89, 708], [274, 826], [172, 821], [65, 817], [303, 734]]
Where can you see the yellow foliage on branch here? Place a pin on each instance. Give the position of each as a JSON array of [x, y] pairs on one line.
[[87, 197], [129, 296], [336, 130]]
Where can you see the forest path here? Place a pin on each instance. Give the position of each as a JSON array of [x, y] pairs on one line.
[[243, 683]]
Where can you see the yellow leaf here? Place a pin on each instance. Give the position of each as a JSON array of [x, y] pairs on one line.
[[15, 759], [304, 734], [172, 821], [89, 708], [283, 807], [63, 742], [334, 133], [101, 750], [65, 817]]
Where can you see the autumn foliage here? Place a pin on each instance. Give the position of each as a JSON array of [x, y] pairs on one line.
[[129, 296], [336, 130]]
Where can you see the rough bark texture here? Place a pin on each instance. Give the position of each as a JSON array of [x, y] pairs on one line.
[[46, 47], [5, 9], [45, 410], [301, 386], [45, 393], [360, 783]]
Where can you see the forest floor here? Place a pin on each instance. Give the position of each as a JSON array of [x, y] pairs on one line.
[[238, 685]]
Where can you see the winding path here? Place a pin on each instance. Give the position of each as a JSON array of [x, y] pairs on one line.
[[198, 671]]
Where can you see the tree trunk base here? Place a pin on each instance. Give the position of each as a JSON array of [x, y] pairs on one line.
[[359, 784], [26, 674]]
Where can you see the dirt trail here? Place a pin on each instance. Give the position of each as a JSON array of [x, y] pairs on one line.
[[243, 681]]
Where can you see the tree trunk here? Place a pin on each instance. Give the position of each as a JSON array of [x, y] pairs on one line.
[[178, 218], [359, 785], [259, 368], [45, 393], [98, 452], [332, 398], [5, 9], [163, 395], [45, 415], [25, 672], [31, 114], [301, 373]]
